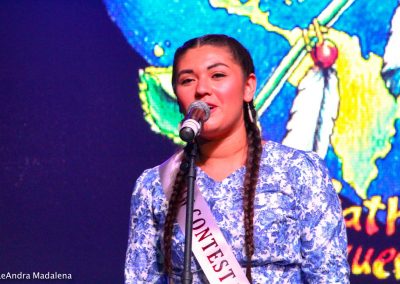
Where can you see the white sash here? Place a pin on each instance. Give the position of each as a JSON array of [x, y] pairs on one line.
[[209, 246]]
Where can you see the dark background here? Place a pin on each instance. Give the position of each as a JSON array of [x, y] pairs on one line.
[[72, 140]]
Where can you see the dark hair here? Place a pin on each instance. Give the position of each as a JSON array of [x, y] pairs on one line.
[[243, 58], [238, 51]]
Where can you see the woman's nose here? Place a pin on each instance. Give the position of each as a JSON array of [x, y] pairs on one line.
[[202, 88]]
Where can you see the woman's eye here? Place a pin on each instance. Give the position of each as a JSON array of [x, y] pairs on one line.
[[219, 75], [186, 81]]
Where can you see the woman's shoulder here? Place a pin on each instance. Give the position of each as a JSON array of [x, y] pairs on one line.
[[148, 175], [275, 153], [303, 171], [148, 192]]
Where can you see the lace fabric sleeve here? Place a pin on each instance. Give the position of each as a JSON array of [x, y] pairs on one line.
[[143, 256], [323, 232]]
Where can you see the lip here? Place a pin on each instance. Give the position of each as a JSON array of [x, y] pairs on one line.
[[211, 106]]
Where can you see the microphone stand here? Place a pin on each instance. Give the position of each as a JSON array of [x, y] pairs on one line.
[[191, 151]]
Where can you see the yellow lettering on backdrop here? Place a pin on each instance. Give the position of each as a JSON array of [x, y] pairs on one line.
[[392, 215], [383, 258], [374, 204], [355, 214], [364, 267]]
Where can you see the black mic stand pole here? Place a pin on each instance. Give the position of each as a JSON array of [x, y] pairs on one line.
[[191, 151]]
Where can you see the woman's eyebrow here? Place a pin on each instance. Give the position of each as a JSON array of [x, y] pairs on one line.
[[184, 71], [190, 71], [216, 65]]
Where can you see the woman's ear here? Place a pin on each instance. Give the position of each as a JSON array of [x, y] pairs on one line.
[[250, 88]]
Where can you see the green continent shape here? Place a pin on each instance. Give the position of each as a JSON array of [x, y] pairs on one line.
[[160, 107]]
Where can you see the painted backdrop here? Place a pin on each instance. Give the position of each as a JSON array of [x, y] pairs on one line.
[[329, 81], [78, 123]]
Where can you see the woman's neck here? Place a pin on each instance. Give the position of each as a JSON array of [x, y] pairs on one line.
[[220, 157]]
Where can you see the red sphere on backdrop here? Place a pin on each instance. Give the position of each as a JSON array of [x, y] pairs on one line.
[[324, 54]]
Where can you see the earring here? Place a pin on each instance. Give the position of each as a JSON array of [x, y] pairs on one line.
[[250, 113]]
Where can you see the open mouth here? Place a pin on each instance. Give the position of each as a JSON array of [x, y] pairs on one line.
[[211, 106]]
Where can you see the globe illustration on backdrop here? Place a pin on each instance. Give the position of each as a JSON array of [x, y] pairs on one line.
[[361, 143]]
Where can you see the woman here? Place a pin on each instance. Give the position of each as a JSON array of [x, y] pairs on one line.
[[275, 206]]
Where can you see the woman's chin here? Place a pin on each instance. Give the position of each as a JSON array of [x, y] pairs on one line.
[[211, 134]]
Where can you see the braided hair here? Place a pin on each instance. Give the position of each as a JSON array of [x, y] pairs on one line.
[[254, 149]]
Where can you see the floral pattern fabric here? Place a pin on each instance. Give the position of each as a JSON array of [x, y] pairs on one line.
[[299, 231]]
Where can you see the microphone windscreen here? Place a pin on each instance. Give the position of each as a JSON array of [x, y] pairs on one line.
[[200, 105]]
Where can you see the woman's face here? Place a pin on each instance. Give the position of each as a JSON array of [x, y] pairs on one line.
[[211, 74]]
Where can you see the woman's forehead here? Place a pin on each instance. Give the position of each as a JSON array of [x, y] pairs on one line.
[[206, 54]]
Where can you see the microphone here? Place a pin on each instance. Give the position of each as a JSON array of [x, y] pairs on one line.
[[198, 113]]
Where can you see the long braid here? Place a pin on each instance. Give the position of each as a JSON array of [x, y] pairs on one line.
[[250, 181], [173, 208]]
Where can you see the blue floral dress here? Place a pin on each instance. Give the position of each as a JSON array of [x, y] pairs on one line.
[[299, 231]]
